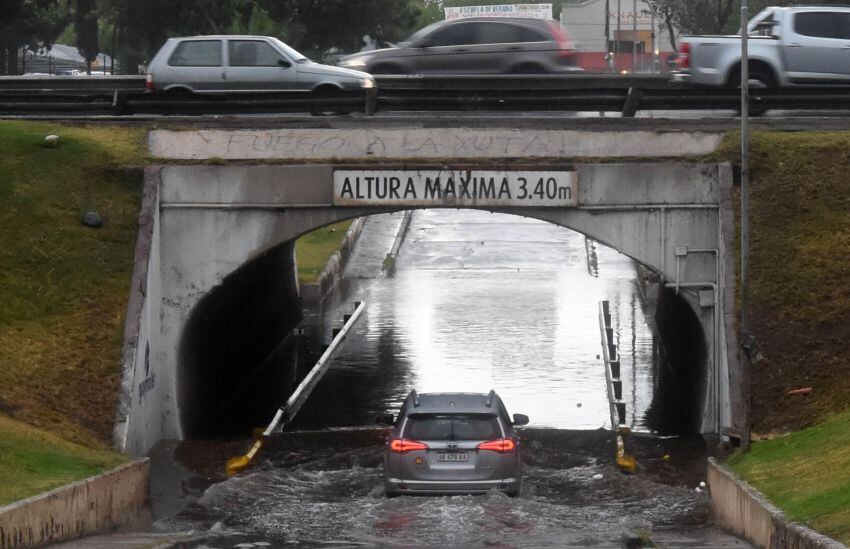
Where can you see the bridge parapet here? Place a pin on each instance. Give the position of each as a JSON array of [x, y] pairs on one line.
[[440, 144]]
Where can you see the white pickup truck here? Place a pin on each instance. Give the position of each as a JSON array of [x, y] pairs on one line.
[[803, 45]]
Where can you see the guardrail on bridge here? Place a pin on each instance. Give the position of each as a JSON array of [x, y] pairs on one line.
[[626, 94]]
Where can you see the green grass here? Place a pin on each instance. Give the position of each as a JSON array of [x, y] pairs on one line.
[[806, 474], [63, 286], [800, 208], [32, 461], [313, 250]]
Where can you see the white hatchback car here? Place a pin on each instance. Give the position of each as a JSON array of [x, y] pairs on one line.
[[246, 64]]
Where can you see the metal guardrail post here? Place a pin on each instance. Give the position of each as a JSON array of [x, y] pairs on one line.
[[371, 101], [632, 103], [119, 103]]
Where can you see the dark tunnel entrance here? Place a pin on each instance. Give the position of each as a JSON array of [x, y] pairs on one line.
[[240, 357], [680, 370], [237, 355]]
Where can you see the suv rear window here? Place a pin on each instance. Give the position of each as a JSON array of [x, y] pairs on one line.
[[452, 427]]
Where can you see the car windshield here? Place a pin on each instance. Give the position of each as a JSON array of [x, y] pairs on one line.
[[452, 427], [292, 53]]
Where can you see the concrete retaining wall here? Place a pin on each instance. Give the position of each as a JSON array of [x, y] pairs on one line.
[[139, 422], [119, 497], [745, 512], [314, 292]]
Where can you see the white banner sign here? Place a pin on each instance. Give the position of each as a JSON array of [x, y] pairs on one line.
[[535, 11], [454, 188]]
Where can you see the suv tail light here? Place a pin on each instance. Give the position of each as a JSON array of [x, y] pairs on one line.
[[403, 445], [501, 445], [565, 45], [149, 82], [684, 59]]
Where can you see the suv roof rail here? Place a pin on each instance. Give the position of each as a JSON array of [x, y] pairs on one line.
[[415, 398], [490, 396]]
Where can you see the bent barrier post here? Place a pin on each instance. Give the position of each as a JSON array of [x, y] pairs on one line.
[[744, 511], [611, 359], [93, 505], [286, 413]]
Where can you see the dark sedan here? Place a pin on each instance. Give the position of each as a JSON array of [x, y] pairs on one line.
[[494, 45]]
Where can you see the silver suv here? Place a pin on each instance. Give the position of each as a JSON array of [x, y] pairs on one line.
[[227, 64], [452, 443], [480, 45]]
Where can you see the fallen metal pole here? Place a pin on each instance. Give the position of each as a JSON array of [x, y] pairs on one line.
[[614, 388], [286, 413]]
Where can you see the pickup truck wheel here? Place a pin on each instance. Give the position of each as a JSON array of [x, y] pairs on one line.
[[759, 79]]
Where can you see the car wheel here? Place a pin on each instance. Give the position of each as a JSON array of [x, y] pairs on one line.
[[758, 79], [178, 92], [324, 93]]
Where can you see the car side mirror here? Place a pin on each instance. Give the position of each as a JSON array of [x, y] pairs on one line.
[[426, 43], [520, 419], [385, 419], [284, 63]]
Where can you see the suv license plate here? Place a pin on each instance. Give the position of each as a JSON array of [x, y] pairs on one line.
[[454, 456]]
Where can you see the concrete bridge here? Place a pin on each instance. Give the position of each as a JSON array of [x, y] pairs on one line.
[[230, 203]]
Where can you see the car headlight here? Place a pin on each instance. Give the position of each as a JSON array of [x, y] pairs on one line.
[[367, 83], [357, 62]]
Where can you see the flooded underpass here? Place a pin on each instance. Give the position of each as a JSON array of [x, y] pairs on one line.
[[478, 301]]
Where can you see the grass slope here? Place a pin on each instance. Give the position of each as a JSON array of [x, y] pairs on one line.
[[64, 286], [807, 474], [800, 303], [32, 461], [800, 274], [63, 296], [313, 250]]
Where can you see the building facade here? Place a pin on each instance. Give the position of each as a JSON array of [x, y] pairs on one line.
[[637, 36]]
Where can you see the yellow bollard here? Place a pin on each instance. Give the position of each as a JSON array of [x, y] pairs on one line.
[[240, 463], [624, 461]]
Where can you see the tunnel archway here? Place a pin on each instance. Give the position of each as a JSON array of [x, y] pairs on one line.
[[209, 221], [239, 359]]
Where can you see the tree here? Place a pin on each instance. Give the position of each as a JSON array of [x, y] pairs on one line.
[[711, 16], [85, 24], [316, 26], [142, 26], [28, 24]]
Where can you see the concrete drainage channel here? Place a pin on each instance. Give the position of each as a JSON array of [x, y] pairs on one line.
[[744, 511], [116, 498]]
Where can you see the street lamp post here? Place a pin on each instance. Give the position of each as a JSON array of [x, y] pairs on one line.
[[745, 224], [608, 53], [634, 35]]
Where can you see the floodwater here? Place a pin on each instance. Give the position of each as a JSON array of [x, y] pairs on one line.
[[478, 301], [484, 301]]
